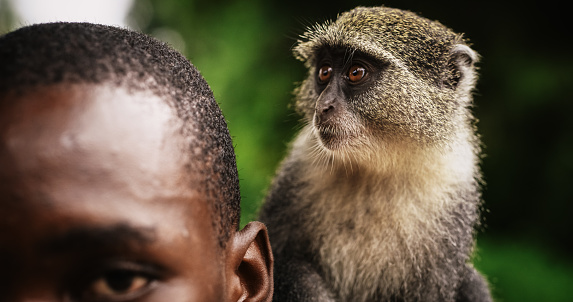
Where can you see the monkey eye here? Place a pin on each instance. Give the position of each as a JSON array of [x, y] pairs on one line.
[[356, 73], [324, 73]]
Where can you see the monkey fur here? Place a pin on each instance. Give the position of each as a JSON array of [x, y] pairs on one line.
[[379, 197]]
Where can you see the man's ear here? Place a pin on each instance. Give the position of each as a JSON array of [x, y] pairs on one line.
[[250, 265]]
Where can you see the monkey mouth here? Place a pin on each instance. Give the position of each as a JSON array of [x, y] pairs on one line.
[[339, 133], [332, 137], [327, 135]]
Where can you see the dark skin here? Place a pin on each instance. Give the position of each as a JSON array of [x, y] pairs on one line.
[[96, 205]]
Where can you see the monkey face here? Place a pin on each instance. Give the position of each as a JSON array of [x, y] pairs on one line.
[[355, 100], [340, 77], [379, 76], [352, 99]]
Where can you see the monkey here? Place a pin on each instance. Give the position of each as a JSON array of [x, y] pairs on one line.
[[379, 196]]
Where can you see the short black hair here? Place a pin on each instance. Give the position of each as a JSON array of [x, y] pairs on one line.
[[54, 53]]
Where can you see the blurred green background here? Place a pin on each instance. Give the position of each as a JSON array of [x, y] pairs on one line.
[[524, 103]]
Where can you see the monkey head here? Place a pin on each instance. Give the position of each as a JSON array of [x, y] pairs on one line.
[[379, 75]]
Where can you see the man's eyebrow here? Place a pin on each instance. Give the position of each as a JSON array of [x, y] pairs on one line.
[[113, 237]]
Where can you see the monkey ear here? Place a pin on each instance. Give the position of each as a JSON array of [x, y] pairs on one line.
[[460, 67], [250, 265]]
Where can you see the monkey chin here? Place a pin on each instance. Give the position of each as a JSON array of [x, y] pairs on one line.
[[329, 138]]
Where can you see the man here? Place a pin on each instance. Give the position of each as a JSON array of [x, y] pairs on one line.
[[118, 179]]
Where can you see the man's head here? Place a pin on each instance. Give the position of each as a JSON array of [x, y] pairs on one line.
[[118, 177]]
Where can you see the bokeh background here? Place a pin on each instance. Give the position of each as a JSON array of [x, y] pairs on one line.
[[524, 102]]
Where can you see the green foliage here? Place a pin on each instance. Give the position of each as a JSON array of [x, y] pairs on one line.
[[519, 271], [6, 18]]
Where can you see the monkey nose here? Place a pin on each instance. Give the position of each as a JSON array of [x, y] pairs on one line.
[[325, 111]]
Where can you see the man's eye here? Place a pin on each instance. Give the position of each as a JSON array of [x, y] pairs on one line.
[[118, 285]]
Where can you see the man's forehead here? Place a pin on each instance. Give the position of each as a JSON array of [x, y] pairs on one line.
[[92, 112], [86, 119], [80, 135]]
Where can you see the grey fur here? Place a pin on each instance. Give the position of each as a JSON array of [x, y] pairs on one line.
[[389, 212]]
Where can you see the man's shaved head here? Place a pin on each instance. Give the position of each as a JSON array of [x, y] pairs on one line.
[[34, 57]]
